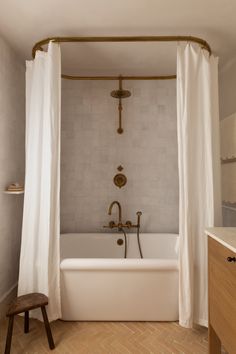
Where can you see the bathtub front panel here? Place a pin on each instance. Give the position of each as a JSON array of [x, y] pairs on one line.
[[98, 284]]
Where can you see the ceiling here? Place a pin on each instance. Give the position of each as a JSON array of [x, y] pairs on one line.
[[25, 22]]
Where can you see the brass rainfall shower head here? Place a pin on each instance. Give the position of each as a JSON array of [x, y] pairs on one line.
[[120, 93]]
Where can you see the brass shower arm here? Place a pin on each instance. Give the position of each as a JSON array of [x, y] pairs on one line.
[[39, 46], [120, 83], [120, 94]]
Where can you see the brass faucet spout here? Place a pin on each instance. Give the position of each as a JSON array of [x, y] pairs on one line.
[[119, 208]]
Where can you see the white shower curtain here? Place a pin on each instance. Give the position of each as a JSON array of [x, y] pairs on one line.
[[40, 253], [199, 175]]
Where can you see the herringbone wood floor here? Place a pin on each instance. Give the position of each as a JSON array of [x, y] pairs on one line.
[[107, 338]]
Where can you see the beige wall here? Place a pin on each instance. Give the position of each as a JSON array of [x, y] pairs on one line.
[[227, 97], [92, 150], [227, 89], [12, 126]]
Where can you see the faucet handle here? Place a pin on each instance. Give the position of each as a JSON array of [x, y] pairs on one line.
[[112, 224], [128, 224], [139, 213]]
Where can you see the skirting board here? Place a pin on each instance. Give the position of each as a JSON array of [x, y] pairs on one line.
[[6, 299]]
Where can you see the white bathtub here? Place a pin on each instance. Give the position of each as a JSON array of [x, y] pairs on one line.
[[98, 284]]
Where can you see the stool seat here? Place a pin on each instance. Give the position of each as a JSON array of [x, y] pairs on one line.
[[27, 302]]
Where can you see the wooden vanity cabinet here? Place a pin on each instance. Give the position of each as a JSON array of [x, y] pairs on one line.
[[222, 297]]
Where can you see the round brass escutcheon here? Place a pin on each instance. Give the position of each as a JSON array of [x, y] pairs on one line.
[[120, 180], [120, 242]]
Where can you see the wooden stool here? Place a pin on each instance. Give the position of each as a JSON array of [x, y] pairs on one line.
[[24, 304]]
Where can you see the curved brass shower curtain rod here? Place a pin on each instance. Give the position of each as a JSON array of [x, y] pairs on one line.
[[201, 42]]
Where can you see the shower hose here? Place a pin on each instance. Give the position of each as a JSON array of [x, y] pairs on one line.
[[138, 239], [125, 255], [139, 245]]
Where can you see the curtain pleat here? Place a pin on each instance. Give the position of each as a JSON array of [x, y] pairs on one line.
[[199, 175], [40, 246]]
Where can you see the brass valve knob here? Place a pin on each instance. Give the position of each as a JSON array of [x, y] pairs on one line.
[[128, 224], [112, 224]]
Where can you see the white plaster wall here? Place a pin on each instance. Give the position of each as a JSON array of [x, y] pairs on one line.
[[92, 150], [12, 126], [227, 98]]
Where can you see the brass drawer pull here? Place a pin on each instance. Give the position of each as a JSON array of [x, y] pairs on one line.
[[231, 259]]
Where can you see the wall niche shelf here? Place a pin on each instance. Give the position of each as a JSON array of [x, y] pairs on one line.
[[228, 160], [229, 205], [13, 192]]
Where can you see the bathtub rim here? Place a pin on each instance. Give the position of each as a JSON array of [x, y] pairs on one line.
[[112, 264]]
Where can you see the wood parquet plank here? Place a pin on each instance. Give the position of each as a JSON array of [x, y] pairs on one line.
[[106, 338]]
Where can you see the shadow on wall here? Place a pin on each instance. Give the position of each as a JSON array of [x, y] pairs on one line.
[[229, 215]]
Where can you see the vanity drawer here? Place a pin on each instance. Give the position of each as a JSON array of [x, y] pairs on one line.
[[222, 293]]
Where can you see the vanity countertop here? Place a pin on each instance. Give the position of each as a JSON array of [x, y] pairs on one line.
[[224, 235]]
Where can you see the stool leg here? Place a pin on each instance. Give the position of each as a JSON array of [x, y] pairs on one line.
[[26, 326], [47, 328], [9, 335]]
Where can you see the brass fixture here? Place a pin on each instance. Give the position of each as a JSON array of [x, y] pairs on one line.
[[120, 93], [120, 168], [112, 224], [128, 224], [39, 46], [120, 242], [139, 213], [120, 224], [120, 180], [88, 78], [121, 227], [119, 208]]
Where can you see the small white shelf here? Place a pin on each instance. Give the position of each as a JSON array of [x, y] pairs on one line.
[[229, 205], [228, 159], [14, 192]]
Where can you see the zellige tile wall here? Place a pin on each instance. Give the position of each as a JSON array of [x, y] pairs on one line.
[[92, 150]]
